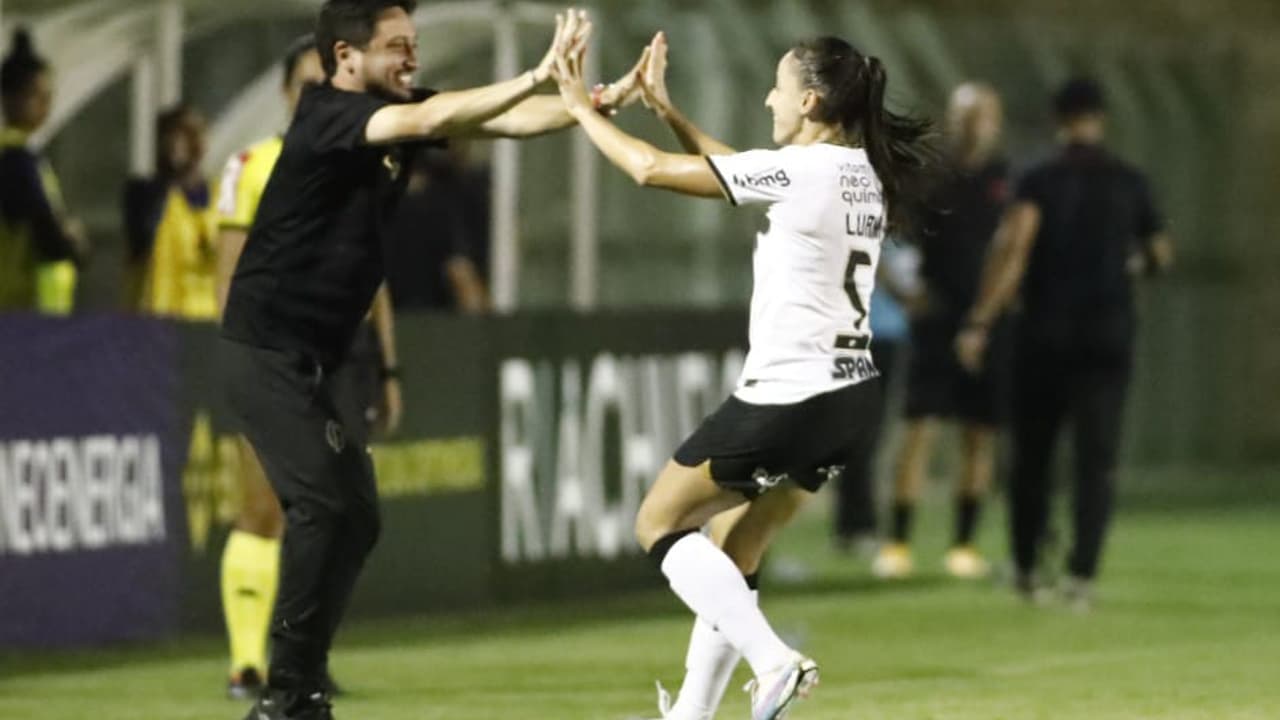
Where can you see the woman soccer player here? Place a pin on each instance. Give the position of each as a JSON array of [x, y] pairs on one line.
[[804, 401]]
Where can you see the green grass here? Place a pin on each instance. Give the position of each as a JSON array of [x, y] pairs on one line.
[[1187, 627]]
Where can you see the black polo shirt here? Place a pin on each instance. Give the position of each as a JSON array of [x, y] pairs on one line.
[[314, 256], [1096, 212], [956, 231]]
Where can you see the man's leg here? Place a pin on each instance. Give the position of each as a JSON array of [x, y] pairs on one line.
[[1038, 413], [1098, 412]]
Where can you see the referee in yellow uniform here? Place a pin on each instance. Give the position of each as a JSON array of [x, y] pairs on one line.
[[250, 561]]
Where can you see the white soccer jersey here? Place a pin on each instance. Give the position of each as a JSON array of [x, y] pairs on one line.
[[814, 267]]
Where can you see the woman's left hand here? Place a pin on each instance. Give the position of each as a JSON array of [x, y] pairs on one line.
[[569, 57]]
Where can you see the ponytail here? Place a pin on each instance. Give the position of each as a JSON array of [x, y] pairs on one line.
[[900, 147], [21, 65]]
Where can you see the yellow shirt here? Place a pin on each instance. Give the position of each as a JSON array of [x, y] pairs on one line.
[[25, 281], [180, 273], [243, 180]]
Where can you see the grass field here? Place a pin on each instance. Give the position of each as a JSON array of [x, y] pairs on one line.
[[1187, 626]]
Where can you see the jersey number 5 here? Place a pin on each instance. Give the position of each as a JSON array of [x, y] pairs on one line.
[[859, 340]]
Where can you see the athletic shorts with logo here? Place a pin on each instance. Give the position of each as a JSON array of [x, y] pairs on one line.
[[753, 447]]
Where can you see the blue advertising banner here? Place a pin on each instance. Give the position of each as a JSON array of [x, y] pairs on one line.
[[90, 498]]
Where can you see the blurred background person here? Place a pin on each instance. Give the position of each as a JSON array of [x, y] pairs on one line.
[[40, 244], [954, 234], [1082, 225], [169, 225], [446, 273], [251, 557], [896, 289]]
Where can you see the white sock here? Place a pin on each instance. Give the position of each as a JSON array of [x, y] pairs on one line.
[[708, 667], [713, 587]]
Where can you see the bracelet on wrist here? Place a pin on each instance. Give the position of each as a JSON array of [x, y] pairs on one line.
[[389, 373], [599, 103]]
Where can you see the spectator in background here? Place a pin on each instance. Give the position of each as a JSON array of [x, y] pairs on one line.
[[445, 273], [169, 225], [1081, 226], [954, 235], [40, 245], [896, 288]]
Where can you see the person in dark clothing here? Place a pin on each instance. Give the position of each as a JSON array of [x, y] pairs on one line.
[[1081, 226], [40, 245], [302, 286], [447, 272], [954, 233]]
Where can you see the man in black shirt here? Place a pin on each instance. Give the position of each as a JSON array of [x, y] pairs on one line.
[[310, 267], [1081, 226], [963, 213]]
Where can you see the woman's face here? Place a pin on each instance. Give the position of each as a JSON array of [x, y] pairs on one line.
[[788, 100], [30, 109]]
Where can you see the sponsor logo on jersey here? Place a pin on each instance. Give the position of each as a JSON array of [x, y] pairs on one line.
[[853, 368], [773, 177]]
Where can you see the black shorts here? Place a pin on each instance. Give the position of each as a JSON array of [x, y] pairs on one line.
[[937, 386], [753, 447]]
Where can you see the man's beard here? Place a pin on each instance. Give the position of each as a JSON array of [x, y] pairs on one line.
[[390, 94]]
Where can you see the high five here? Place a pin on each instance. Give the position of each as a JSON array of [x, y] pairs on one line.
[[843, 173]]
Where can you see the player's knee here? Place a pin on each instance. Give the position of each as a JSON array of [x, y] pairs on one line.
[[261, 516], [647, 529]]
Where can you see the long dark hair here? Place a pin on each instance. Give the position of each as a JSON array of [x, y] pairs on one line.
[[21, 65], [902, 149]]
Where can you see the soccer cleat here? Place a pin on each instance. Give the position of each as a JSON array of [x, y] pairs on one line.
[[275, 705], [245, 685], [965, 563], [773, 693], [893, 562]]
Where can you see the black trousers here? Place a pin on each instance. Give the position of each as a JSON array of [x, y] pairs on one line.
[[320, 469], [855, 511], [1056, 388]]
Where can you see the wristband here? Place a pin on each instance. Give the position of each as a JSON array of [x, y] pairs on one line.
[[389, 373], [598, 102]]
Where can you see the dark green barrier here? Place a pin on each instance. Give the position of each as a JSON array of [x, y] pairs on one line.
[[526, 445]]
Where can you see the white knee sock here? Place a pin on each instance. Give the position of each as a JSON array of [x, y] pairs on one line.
[[709, 666], [712, 586]]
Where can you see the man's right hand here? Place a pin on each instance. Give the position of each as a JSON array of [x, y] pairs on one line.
[[572, 29]]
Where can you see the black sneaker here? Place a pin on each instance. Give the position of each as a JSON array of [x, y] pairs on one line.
[[245, 685], [275, 705]]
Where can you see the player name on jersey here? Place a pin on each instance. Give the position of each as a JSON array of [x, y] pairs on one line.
[[66, 494]]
